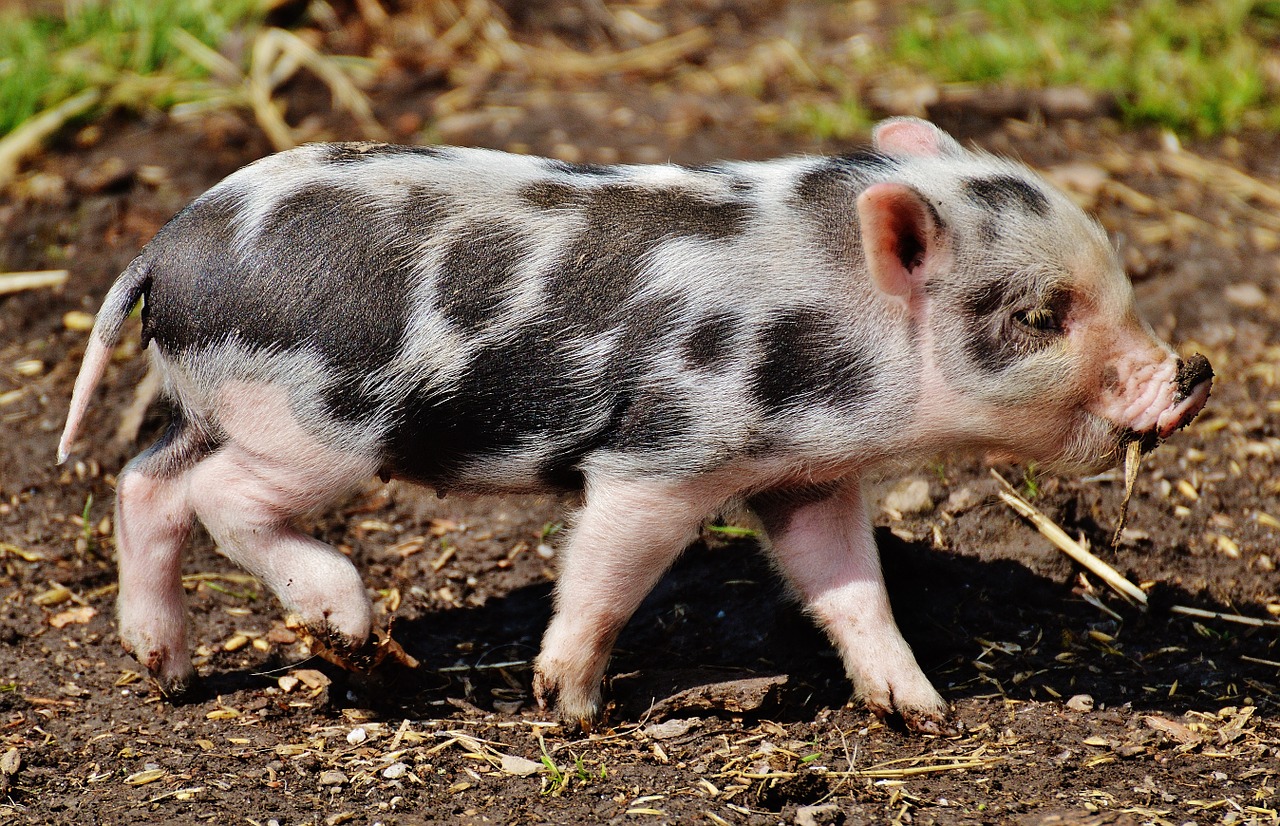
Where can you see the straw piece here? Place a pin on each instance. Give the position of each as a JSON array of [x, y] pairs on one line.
[[1069, 546], [1132, 459], [1218, 615], [32, 133], [14, 282]]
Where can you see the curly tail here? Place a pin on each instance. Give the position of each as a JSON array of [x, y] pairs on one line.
[[120, 300]]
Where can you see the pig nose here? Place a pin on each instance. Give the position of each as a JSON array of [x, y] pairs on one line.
[[1194, 378], [1192, 373]]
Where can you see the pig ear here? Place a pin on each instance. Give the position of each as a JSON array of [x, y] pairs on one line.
[[912, 136], [899, 236]]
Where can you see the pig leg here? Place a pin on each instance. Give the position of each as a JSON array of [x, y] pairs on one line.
[[627, 535], [823, 541], [248, 502], [153, 520]]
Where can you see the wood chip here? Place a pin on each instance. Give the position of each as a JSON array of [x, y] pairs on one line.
[[520, 766], [1172, 728], [78, 615], [1132, 459], [733, 696], [144, 777]]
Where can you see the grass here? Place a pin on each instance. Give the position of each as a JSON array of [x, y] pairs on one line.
[[123, 47], [1196, 67]]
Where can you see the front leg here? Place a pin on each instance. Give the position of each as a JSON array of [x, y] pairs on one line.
[[627, 535], [823, 540]]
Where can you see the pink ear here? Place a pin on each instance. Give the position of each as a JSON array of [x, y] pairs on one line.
[[912, 136], [899, 235]]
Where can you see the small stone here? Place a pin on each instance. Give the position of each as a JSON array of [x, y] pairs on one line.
[[279, 635], [909, 497], [672, 728], [78, 321], [395, 771], [112, 173], [964, 499], [332, 777], [828, 815], [1246, 295], [520, 766], [1080, 702], [357, 735], [288, 683]]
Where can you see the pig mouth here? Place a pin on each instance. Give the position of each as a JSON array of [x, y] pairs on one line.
[[1194, 383]]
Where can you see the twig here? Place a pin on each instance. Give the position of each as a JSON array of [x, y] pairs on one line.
[[14, 282], [1218, 615], [1132, 459], [1069, 546], [33, 132]]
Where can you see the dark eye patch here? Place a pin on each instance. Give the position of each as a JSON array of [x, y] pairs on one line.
[[1006, 321]]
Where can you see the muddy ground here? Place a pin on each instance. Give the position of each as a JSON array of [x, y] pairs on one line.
[[1077, 707]]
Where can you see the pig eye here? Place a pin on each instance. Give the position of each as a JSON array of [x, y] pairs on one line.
[[1040, 320]]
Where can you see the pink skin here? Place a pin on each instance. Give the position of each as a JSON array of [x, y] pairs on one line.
[[247, 494], [829, 553], [627, 535], [153, 520]]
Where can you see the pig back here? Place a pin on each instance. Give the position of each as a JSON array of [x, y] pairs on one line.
[[495, 322]]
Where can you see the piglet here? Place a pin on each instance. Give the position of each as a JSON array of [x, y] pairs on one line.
[[666, 340]]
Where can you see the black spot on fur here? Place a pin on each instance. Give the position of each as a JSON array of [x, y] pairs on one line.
[[1002, 192], [591, 285], [476, 272], [551, 195], [655, 420], [324, 274], [510, 391], [828, 194], [805, 362], [986, 309], [993, 341], [711, 340], [179, 448], [347, 153], [591, 169]]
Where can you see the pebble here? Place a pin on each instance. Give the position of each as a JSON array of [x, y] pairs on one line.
[[1246, 295], [357, 736], [332, 777], [909, 497], [520, 766], [395, 771], [828, 815], [1080, 702]]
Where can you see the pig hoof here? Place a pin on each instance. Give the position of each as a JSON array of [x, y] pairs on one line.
[[175, 677], [927, 721], [575, 716], [330, 644]]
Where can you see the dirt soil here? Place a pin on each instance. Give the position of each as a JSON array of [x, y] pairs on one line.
[[1077, 707]]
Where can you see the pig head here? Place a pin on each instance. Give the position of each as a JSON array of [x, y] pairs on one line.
[[664, 340]]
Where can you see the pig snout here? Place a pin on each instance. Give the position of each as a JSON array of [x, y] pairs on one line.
[[1192, 382], [1157, 398]]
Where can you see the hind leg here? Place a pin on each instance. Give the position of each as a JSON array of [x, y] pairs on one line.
[[248, 503], [153, 520], [272, 469]]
